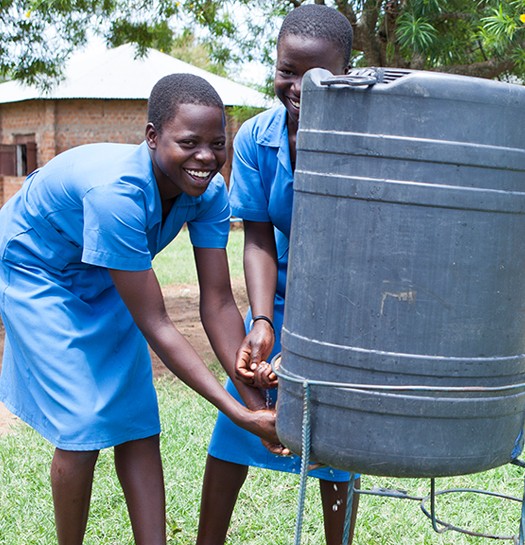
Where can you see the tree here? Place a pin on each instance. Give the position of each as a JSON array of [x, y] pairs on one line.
[[188, 48], [484, 38], [37, 36]]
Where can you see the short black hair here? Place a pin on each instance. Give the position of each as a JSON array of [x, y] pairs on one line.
[[319, 21], [176, 89]]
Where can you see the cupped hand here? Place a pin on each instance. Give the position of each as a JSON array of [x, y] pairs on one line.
[[264, 377], [262, 423], [243, 364], [277, 448], [255, 348]]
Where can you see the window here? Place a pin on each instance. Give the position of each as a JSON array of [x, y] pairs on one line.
[[21, 159], [7, 160], [18, 159]]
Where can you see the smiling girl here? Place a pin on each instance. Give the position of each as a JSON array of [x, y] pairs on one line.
[[80, 300], [311, 36]]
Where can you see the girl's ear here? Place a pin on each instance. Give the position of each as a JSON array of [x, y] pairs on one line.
[[151, 136]]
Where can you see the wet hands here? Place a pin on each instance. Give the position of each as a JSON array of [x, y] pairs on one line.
[[252, 369], [256, 374], [273, 445], [251, 366], [263, 424], [264, 377], [277, 448]]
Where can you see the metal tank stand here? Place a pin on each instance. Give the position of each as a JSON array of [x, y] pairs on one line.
[[438, 525]]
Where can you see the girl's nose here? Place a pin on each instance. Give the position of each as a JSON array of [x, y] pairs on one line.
[[296, 87], [205, 154]]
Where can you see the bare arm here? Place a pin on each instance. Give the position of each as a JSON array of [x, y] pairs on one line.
[[221, 318], [260, 269], [260, 266], [142, 295], [224, 325]]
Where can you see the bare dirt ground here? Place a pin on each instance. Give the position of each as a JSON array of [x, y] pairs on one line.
[[182, 303]]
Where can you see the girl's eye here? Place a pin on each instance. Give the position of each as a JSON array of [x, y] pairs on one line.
[[188, 143], [219, 145], [286, 73]]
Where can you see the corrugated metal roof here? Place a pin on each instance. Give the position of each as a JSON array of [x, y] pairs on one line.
[[101, 73]]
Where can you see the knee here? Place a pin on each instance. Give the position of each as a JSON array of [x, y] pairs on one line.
[[67, 462]]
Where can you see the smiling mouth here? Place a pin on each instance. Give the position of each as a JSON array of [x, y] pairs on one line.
[[295, 103], [200, 175]]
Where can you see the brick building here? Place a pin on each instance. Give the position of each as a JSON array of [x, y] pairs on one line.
[[103, 98]]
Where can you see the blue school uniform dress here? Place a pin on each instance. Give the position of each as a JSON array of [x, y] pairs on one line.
[[75, 365], [262, 191]]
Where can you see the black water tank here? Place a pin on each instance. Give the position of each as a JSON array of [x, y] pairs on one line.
[[407, 273]]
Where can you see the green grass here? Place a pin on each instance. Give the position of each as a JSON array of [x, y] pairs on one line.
[[176, 264], [266, 510], [267, 506]]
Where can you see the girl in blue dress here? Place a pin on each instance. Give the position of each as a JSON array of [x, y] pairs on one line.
[[80, 301], [261, 194]]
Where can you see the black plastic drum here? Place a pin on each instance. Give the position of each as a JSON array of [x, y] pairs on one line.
[[406, 275]]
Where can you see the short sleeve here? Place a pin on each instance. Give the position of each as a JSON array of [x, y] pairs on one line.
[[248, 197], [115, 220], [211, 226]]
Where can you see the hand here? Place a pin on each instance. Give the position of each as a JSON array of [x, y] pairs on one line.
[[277, 448], [255, 348], [262, 423], [264, 377]]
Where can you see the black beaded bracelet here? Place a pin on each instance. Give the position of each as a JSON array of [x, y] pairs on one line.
[[265, 318]]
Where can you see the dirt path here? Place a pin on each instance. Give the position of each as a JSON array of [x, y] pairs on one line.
[[182, 303]]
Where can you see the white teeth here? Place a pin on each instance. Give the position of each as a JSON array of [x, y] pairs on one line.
[[198, 173], [295, 104]]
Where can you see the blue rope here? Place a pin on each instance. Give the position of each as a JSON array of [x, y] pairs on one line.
[[283, 374], [348, 514], [305, 460]]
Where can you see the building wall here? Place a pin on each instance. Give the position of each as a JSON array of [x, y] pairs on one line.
[[37, 118], [80, 122], [9, 185], [58, 125]]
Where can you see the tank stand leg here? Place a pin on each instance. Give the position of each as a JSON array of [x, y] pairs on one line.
[[305, 460], [433, 507], [348, 514]]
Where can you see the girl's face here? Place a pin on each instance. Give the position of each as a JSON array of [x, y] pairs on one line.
[[189, 151], [296, 55]]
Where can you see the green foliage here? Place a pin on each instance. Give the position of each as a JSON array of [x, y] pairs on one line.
[[188, 48], [502, 30], [483, 38], [243, 113], [475, 37], [501, 25], [415, 33], [36, 36]]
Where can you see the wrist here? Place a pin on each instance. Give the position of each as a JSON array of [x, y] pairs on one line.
[[263, 318], [242, 416], [252, 397]]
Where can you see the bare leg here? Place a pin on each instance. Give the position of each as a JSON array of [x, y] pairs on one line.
[[71, 483], [139, 469], [333, 497], [221, 485]]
